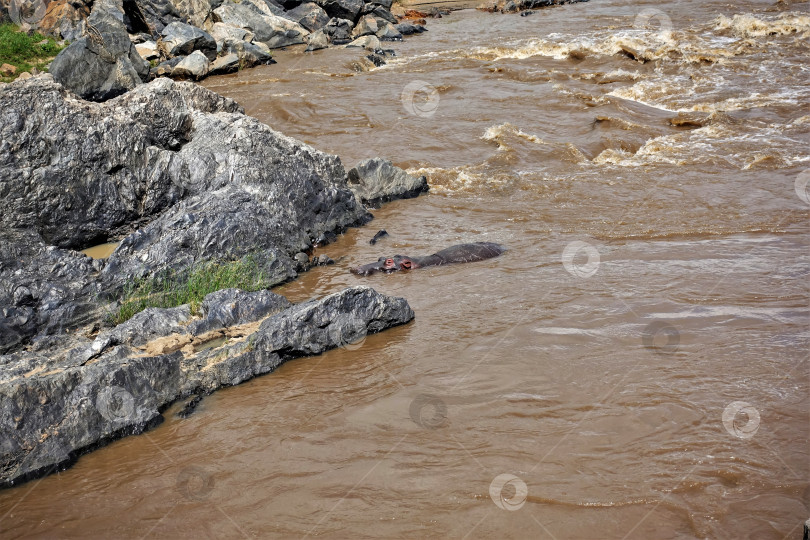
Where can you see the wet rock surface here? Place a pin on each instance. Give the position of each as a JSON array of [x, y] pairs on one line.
[[57, 406], [376, 181]]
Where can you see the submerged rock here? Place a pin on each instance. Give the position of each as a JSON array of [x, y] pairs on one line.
[[376, 181], [48, 418]]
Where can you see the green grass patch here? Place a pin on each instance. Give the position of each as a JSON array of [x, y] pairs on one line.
[[172, 289], [25, 51]]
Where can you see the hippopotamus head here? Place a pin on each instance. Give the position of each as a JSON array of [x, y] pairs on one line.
[[386, 264]]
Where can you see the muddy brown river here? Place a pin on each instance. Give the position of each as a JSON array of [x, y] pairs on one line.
[[635, 366]]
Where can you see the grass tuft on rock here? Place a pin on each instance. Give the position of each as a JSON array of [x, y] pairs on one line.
[[25, 51], [173, 289]]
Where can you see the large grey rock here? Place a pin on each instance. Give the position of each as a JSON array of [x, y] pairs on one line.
[[104, 63], [342, 9], [273, 30], [194, 66], [317, 40], [366, 26], [383, 14], [195, 178], [222, 32], [309, 15], [339, 30], [159, 13], [388, 32], [376, 181], [181, 39], [48, 418], [229, 63], [195, 12]]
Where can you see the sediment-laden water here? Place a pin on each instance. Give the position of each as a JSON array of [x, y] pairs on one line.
[[637, 362]]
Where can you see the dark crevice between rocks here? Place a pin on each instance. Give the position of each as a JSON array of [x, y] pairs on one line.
[[134, 19]]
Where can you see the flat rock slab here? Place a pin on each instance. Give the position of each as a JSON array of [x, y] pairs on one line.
[[49, 417]]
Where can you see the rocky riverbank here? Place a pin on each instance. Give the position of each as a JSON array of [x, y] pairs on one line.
[[116, 45], [184, 177]]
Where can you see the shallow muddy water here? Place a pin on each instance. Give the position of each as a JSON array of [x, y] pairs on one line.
[[637, 362]]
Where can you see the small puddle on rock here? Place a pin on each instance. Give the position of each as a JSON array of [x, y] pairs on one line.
[[211, 344], [101, 251]]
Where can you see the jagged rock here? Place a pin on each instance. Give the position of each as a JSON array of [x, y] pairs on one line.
[[371, 43], [376, 59], [222, 32], [366, 26], [342, 9], [266, 7], [317, 40], [339, 31], [64, 19], [105, 63], [376, 181], [225, 64], [309, 15], [270, 29], [202, 181], [194, 66], [49, 418], [160, 13], [195, 12], [384, 14], [181, 39], [250, 54], [388, 32], [407, 29]]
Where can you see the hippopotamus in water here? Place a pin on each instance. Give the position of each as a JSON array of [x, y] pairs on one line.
[[455, 254]]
